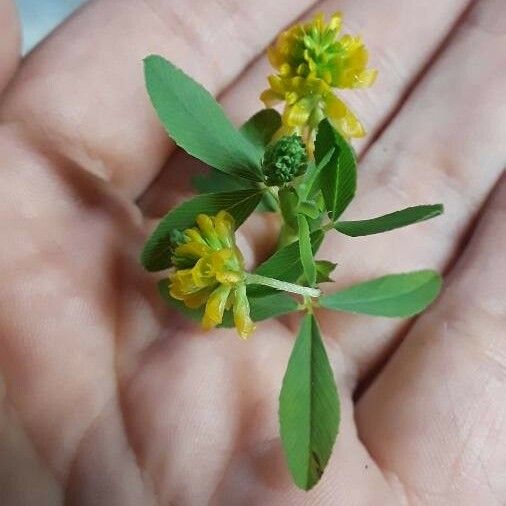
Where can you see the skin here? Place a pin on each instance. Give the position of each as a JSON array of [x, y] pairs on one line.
[[108, 398]]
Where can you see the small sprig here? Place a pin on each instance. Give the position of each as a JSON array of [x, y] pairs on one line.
[[301, 166]]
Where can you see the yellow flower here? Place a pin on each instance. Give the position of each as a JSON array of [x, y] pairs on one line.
[[209, 269], [310, 61]]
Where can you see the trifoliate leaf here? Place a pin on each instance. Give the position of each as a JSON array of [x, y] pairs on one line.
[[389, 221], [240, 204], [309, 411], [196, 122], [395, 295]]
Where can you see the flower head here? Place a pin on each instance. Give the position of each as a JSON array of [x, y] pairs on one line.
[[310, 61], [209, 269], [284, 160]]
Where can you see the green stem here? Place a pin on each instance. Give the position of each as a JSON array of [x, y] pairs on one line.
[[328, 226], [256, 279]]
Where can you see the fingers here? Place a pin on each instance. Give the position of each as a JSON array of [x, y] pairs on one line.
[[445, 145], [436, 416], [10, 41], [80, 95], [212, 399], [398, 63]]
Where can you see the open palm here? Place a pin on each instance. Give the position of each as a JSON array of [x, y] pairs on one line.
[[109, 398]]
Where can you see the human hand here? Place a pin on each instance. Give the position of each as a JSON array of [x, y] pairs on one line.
[[111, 398]]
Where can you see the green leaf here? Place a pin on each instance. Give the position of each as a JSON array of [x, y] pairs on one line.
[[323, 270], [395, 295], [261, 308], [309, 186], [389, 221], [240, 204], [196, 122], [285, 265], [309, 411], [288, 201], [215, 181], [338, 177], [309, 209], [306, 252], [260, 128], [268, 203]]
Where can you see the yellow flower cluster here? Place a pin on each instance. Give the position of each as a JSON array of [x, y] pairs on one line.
[[310, 61], [210, 270]]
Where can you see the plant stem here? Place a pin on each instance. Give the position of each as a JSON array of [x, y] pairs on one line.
[[328, 226], [256, 279]]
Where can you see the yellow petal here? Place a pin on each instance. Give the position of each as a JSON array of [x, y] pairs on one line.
[[203, 273], [298, 113], [192, 249], [270, 98], [367, 78], [197, 299], [182, 284], [242, 319], [206, 226], [285, 70], [342, 118], [228, 277], [277, 84], [219, 260], [224, 226], [336, 21], [193, 234], [215, 306]]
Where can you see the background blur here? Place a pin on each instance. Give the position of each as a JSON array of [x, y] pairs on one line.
[[39, 17]]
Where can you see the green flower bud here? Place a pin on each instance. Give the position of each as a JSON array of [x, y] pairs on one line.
[[284, 160]]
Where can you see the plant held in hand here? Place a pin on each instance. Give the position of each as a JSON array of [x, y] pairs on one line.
[[301, 166]]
